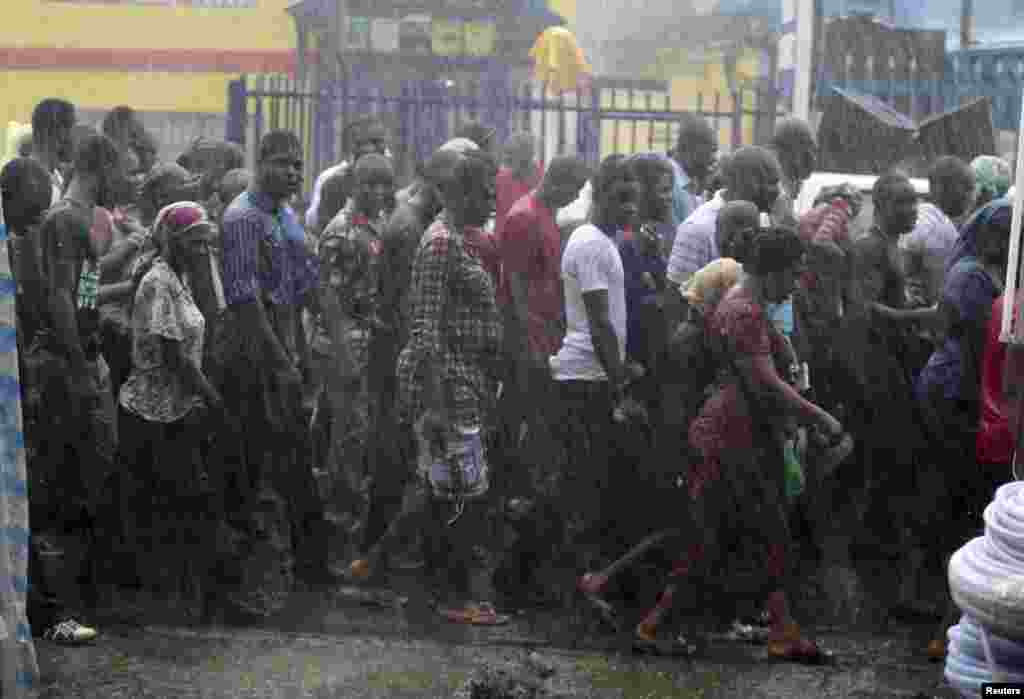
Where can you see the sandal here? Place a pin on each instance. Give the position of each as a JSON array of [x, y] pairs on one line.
[[799, 650], [590, 586], [746, 633], [678, 647], [475, 615]]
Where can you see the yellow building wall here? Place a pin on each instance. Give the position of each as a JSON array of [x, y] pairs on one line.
[[566, 8], [692, 87], [72, 25], [174, 31]]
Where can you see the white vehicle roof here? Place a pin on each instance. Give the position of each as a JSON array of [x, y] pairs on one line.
[[820, 180]]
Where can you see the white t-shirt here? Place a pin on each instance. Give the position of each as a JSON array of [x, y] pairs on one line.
[[591, 262], [933, 238], [314, 204], [56, 187]]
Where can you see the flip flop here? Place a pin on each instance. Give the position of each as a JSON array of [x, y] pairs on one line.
[[746, 633], [475, 615], [603, 607], [800, 651], [678, 647]]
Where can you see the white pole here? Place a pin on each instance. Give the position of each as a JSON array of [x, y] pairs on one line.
[[804, 59], [1011, 330]]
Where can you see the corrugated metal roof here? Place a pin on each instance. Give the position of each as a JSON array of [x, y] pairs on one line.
[[878, 109]]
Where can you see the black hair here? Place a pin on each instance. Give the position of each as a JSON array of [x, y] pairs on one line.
[[748, 165], [156, 185], [121, 125], [472, 168], [476, 132], [613, 169], [371, 162], [952, 185], [95, 154], [278, 141], [439, 167], [647, 168], [880, 191], [773, 250], [205, 154], [50, 116], [334, 193], [27, 192], [358, 126], [692, 129], [564, 167], [792, 134], [716, 179], [236, 180]]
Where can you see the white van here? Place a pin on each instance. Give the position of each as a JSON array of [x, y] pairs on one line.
[[863, 183]]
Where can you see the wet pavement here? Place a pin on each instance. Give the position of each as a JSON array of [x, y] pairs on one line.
[[329, 644]]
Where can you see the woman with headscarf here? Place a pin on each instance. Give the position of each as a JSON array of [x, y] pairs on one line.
[[130, 255], [162, 407], [991, 179], [949, 385], [735, 483]]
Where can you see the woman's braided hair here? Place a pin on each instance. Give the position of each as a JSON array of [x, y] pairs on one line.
[[773, 250]]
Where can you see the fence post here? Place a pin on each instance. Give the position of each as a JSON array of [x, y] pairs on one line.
[[234, 130], [737, 118]]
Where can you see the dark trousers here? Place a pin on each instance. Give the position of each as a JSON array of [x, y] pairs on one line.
[[277, 451], [44, 606], [70, 448], [448, 548], [586, 432], [166, 517]]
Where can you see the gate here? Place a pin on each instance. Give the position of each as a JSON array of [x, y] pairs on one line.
[[615, 117]]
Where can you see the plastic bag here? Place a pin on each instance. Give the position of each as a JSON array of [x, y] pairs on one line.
[[794, 471]]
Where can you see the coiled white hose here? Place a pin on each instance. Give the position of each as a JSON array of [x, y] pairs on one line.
[[968, 665], [986, 580], [986, 576]]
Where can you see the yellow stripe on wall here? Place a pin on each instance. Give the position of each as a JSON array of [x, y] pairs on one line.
[[157, 92], [81, 25]]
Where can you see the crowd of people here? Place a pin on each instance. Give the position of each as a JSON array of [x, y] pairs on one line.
[[549, 372]]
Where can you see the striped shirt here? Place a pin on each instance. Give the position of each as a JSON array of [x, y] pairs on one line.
[[695, 245], [448, 270], [264, 253]]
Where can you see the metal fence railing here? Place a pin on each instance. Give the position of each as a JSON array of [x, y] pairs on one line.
[[615, 118]]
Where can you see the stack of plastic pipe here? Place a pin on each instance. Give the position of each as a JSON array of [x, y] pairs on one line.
[[986, 580]]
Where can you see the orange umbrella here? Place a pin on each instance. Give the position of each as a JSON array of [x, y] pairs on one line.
[[559, 61]]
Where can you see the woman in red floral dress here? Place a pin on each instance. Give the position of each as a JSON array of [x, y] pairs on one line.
[[736, 489]]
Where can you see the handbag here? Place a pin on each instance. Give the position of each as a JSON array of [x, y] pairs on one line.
[[462, 473]]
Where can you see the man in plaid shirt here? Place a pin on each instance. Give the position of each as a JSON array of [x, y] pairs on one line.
[[447, 377]]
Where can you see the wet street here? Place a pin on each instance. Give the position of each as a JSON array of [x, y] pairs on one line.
[[332, 643]]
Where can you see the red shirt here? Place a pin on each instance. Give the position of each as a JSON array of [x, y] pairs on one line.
[[509, 190], [825, 223], [531, 245], [995, 442], [485, 247]]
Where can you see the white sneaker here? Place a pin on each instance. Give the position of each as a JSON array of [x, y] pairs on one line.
[[70, 633]]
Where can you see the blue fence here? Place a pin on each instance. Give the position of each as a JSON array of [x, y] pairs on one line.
[[423, 115]]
